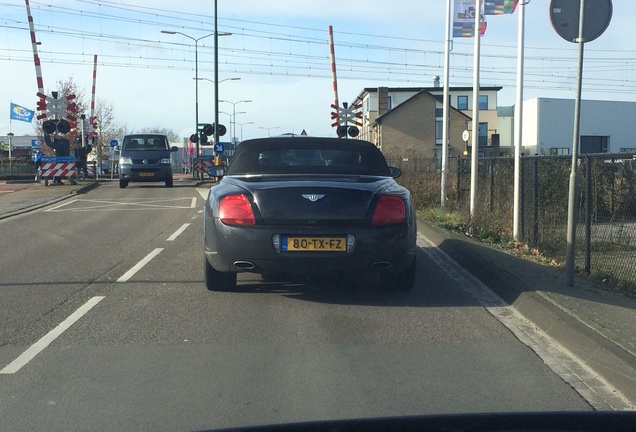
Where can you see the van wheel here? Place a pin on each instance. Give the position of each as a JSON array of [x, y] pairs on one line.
[[122, 183], [169, 182]]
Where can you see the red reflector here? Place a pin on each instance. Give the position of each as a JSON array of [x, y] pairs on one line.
[[390, 210], [236, 210]]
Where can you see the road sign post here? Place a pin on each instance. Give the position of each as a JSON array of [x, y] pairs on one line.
[[577, 22]]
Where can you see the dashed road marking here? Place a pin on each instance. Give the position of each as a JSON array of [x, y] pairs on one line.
[[178, 232], [46, 340], [130, 273]]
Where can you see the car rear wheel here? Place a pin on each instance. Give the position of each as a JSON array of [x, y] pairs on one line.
[[169, 182], [123, 183], [218, 281], [400, 280]]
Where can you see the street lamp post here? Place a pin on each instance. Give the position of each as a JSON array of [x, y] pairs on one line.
[[196, 72], [234, 113], [11, 135], [196, 80], [234, 123], [243, 124], [223, 80], [268, 129]]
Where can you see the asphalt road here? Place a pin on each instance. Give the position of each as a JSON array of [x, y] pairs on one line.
[[105, 324]]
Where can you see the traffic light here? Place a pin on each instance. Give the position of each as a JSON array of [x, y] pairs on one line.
[[60, 126], [49, 126], [343, 131], [63, 126], [222, 130], [208, 129]]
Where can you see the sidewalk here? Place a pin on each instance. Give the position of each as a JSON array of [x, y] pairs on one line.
[[597, 326]]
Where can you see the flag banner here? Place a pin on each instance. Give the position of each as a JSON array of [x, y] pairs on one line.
[[464, 19], [21, 113], [499, 7]]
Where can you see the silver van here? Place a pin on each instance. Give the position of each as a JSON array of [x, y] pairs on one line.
[[145, 158]]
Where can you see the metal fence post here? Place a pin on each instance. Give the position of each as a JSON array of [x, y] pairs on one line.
[[535, 202], [588, 214], [459, 186], [492, 184], [522, 197]]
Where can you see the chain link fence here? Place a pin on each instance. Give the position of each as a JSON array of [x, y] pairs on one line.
[[606, 205]]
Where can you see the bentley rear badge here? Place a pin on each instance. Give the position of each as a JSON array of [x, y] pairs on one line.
[[313, 197]]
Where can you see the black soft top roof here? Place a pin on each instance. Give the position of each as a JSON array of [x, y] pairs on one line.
[[246, 157]]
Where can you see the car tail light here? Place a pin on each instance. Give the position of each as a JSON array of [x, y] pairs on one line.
[[390, 210], [236, 210]]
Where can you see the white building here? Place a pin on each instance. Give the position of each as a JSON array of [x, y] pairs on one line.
[[605, 126]]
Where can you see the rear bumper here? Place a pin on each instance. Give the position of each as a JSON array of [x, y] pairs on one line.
[[145, 173], [251, 249]]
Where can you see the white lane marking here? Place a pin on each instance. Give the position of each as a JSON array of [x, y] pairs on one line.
[[179, 231], [46, 340], [130, 273], [61, 205], [592, 387], [194, 202], [128, 204], [204, 192]]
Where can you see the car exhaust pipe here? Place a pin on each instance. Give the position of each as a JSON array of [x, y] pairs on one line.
[[381, 265], [244, 265]]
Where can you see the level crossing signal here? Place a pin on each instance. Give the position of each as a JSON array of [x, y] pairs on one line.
[[60, 113], [204, 131]]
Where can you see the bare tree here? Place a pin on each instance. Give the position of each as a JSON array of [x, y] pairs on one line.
[[172, 135]]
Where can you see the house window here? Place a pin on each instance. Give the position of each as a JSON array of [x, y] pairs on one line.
[[439, 130], [483, 134], [462, 102], [559, 151], [594, 144], [389, 103], [439, 112], [483, 102]]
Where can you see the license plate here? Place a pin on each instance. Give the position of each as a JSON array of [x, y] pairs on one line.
[[309, 244], [146, 174]]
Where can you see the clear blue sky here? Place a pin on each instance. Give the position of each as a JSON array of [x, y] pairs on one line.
[[279, 50]]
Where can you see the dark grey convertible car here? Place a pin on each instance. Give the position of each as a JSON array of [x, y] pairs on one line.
[[305, 205]]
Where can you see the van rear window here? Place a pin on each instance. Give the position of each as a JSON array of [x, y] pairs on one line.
[[140, 142]]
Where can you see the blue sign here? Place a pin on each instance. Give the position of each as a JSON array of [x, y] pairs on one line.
[[219, 148], [114, 143], [58, 159], [36, 144], [206, 157]]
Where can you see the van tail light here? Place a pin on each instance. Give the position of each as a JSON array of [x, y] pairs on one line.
[[236, 210], [390, 210]]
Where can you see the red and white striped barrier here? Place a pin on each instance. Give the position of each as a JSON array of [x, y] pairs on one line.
[[203, 164], [58, 169]]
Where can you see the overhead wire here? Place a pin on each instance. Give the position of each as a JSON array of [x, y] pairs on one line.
[[275, 61]]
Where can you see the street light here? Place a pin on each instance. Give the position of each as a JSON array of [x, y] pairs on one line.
[[243, 124], [268, 129], [212, 81], [196, 74], [234, 110], [223, 80]]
